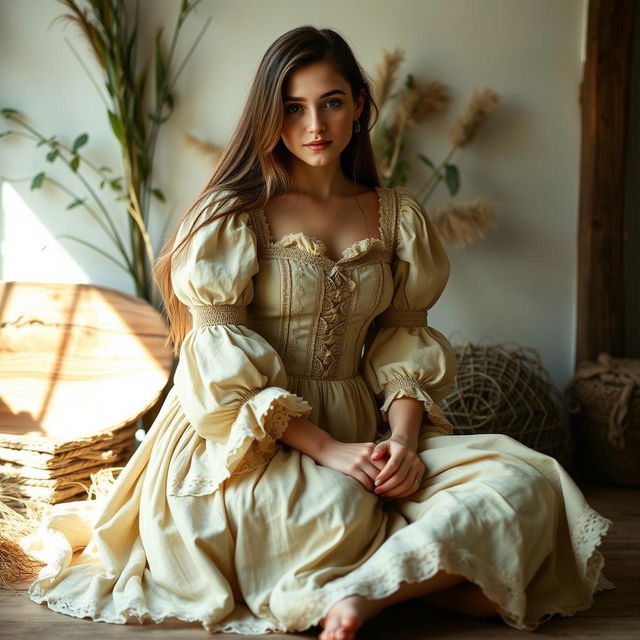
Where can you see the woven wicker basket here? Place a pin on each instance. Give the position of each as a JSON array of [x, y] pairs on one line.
[[506, 389], [605, 398]]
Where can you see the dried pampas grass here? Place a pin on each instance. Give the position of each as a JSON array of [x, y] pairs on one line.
[[386, 75], [462, 224], [417, 101], [482, 103], [427, 100], [209, 149]]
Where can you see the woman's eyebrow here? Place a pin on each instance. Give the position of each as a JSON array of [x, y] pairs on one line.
[[324, 95]]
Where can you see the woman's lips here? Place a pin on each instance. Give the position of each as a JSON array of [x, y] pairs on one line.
[[318, 147]]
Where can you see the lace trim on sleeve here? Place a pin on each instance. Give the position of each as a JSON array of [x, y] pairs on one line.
[[276, 423], [400, 386], [252, 441]]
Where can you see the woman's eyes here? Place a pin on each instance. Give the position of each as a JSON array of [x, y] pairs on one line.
[[337, 102]]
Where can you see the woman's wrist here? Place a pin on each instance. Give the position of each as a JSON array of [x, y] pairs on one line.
[[405, 417], [407, 437], [303, 435]]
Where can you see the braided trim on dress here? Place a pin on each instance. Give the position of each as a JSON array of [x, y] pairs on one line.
[[212, 314], [402, 318], [339, 293]]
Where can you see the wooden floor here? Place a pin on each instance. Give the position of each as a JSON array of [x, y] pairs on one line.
[[614, 616]]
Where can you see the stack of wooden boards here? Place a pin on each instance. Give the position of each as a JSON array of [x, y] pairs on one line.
[[79, 365]]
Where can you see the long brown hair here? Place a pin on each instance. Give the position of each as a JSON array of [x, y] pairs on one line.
[[255, 164]]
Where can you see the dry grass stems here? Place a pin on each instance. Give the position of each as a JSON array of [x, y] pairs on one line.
[[207, 149], [480, 107], [15, 564], [15, 525], [463, 224], [415, 103]]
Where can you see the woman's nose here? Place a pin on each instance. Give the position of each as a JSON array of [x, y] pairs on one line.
[[316, 122]]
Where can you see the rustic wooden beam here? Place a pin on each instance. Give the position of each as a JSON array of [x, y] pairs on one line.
[[604, 102]]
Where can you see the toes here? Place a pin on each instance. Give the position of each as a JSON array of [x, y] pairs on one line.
[[348, 626], [331, 625], [342, 634], [339, 625], [350, 622]]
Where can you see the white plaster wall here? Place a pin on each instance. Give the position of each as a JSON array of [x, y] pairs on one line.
[[518, 285]]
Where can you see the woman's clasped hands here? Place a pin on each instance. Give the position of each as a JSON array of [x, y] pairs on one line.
[[390, 468], [403, 470]]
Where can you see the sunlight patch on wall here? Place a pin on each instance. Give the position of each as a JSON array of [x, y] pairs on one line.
[[28, 251]]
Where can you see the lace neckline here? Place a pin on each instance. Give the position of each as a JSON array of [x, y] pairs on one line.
[[313, 245]]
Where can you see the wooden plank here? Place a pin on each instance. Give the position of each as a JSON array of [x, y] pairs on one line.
[[605, 98], [77, 359]]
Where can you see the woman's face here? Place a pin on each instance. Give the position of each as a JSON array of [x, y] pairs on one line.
[[318, 105]]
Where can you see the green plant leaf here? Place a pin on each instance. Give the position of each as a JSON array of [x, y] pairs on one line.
[[158, 119], [7, 111], [427, 161], [76, 203], [52, 155], [141, 82], [111, 74], [79, 141], [402, 169], [452, 178], [105, 168], [131, 107], [75, 163], [130, 46], [117, 128], [37, 181], [4, 133], [158, 194], [161, 70], [51, 141]]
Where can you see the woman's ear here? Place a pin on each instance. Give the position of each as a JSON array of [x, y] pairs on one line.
[[359, 105]]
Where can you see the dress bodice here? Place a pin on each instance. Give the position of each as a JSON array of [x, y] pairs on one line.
[[279, 326], [315, 311]]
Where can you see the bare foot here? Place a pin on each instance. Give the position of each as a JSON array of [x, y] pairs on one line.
[[345, 617]]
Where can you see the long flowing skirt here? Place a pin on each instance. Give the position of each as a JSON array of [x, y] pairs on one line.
[[273, 548]]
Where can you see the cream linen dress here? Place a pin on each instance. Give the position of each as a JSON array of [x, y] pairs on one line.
[[214, 520]]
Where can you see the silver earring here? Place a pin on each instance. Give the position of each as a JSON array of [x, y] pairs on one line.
[[356, 126]]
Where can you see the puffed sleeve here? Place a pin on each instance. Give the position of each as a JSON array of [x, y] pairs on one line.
[[230, 382], [406, 356]]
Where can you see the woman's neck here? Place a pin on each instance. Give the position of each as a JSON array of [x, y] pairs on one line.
[[321, 183]]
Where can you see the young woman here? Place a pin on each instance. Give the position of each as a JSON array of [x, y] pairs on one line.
[[300, 472]]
